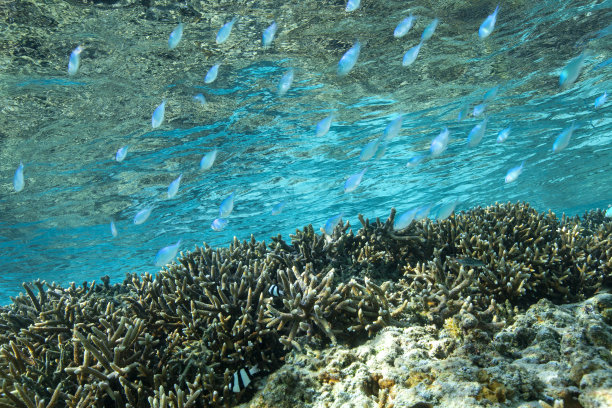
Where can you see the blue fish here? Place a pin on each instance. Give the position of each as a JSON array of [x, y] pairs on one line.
[[382, 149], [446, 210], [18, 180], [571, 71], [331, 223], [166, 254], [503, 134], [422, 212], [268, 34], [208, 159], [278, 208], [348, 60], [463, 112], [227, 206], [200, 98], [609, 212], [393, 128], [225, 31], [477, 133], [142, 215], [218, 224], [403, 27], [599, 101], [211, 75], [439, 143], [324, 125], [429, 30], [113, 228], [479, 109], [158, 115], [174, 186], [175, 36], [514, 172], [75, 60], [491, 94], [353, 181], [369, 150], [285, 82], [404, 220], [487, 26], [411, 55], [352, 5], [121, 153], [563, 139], [415, 160]]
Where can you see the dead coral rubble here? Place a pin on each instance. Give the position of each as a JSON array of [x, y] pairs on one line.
[[180, 339]]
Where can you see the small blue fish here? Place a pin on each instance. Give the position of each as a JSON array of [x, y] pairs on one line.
[[563, 139], [411, 55], [121, 153], [158, 115], [142, 215], [514, 172], [225, 31], [369, 150], [382, 149], [278, 208], [348, 60], [200, 98], [175, 36], [330, 224], [609, 213], [18, 180], [353, 181], [477, 133], [324, 125], [393, 128], [404, 220], [208, 159], [166, 254], [503, 134], [439, 143], [446, 210], [211, 75], [414, 161], [571, 71], [218, 224], [487, 26], [285, 82], [491, 94], [268, 34], [113, 228], [599, 101], [403, 27], [352, 5], [422, 212], [174, 186], [227, 206], [75, 60], [479, 109], [429, 30]]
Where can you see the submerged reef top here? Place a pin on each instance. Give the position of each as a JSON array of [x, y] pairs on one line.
[[198, 332]]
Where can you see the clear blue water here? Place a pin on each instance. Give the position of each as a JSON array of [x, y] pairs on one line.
[[66, 130]]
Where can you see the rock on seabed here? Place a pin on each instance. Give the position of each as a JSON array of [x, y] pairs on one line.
[[552, 356]]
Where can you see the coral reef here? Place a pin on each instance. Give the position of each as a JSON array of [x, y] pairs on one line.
[[193, 335]]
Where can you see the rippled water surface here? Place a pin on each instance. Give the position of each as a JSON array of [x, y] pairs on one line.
[[66, 129]]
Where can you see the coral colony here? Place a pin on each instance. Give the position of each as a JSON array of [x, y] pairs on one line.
[[208, 325]]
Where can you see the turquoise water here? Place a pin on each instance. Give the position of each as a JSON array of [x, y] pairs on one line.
[[66, 129]]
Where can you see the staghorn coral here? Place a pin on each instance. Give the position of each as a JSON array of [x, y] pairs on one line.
[[179, 338]]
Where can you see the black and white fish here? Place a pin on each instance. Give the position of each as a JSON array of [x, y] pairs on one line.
[[242, 378], [275, 291]]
